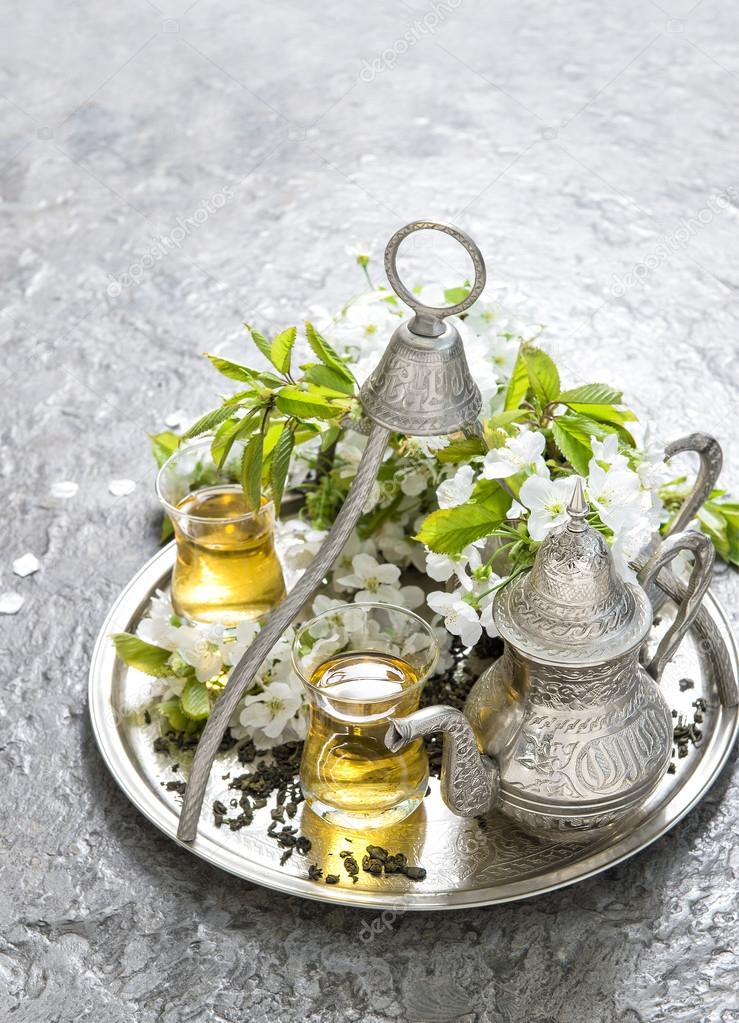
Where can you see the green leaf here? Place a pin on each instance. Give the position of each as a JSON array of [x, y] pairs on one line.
[[450, 530], [209, 421], [172, 711], [136, 653], [453, 296], [167, 530], [574, 441], [720, 520], [233, 370], [323, 350], [308, 404], [591, 394], [251, 471], [326, 376], [163, 445], [195, 700], [280, 464], [607, 414], [261, 342], [462, 450], [518, 385], [506, 418], [282, 347], [543, 374]]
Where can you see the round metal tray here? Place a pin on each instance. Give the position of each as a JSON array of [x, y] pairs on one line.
[[466, 865]]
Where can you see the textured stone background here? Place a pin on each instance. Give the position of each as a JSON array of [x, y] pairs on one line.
[[572, 140]]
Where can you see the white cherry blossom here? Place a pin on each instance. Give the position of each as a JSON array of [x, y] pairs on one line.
[[441, 567], [616, 495], [457, 489], [547, 502], [520, 454], [372, 580], [267, 713], [459, 618], [606, 453]]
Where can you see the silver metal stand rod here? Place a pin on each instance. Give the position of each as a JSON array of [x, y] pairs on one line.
[[283, 616]]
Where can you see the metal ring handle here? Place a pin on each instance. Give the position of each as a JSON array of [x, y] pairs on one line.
[[439, 312]]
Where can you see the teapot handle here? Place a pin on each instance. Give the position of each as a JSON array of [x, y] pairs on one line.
[[711, 457], [700, 576]]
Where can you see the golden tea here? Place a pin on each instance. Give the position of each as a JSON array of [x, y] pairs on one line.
[[226, 567], [347, 773]]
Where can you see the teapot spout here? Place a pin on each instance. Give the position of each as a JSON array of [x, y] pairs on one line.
[[469, 779]]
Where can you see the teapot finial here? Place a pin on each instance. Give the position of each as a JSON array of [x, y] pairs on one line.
[[578, 509]]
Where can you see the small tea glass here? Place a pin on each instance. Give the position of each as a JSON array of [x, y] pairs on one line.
[[362, 664], [226, 569]]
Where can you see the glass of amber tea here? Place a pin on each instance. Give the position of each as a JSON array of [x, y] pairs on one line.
[[226, 568], [362, 664]]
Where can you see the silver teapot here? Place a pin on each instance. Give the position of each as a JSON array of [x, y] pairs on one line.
[[567, 733]]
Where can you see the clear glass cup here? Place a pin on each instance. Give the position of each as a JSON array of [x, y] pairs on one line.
[[362, 664], [226, 569]]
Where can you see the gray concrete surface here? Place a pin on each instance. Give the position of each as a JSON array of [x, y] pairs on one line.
[[575, 141]]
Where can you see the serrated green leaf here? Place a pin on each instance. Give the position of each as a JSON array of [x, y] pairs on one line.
[[323, 350], [195, 700], [591, 394], [326, 376], [607, 414], [281, 349], [172, 711], [462, 450], [574, 441], [251, 471], [163, 445], [136, 653], [720, 521], [233, 370], [308, 404], [450, 530], [279, 466], [542, 373], [208, 422], [261, 342], [223, 440], [506, 418], [518, 385]]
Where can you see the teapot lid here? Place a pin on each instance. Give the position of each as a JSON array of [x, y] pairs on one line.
[[572, 607]]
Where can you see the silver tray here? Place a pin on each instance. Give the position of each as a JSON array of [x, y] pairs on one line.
[[466, 865]]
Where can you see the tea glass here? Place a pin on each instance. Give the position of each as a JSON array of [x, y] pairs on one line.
[[226, 568], [362, 664]]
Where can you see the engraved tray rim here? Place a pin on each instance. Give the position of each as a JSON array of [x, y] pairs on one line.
[[104, 670]]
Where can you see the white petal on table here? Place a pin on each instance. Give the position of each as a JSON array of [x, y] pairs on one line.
[[27, 564], [176, 419], [120, 488], [10, 603], [64, 489]]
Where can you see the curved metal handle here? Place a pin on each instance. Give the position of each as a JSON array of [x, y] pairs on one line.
[[700, 576], [711, 458], [427, 320]]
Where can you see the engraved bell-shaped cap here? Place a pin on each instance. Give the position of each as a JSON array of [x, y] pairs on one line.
[[422, 385]]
